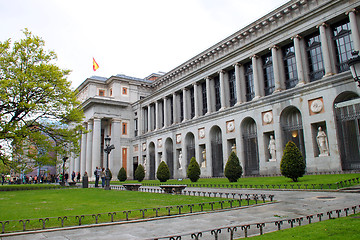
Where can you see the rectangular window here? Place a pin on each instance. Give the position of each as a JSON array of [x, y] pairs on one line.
[[269, 81], [204, 98], [315, 58], [124, 128], [217, 93], [110, 92], [101, 92], [124, 91], [192, 102], [124, 158], [232, 87], [343, 43], [249, 81], [135, 127], [291, 76]]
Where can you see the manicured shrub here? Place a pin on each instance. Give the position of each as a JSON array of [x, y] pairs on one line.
[[163, 172], [292, 163], [139, 173], [122, 175], [193, 171], [233, 169]]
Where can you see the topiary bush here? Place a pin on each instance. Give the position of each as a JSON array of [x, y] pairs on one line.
[[292, 162], [140, 173], [163, 172], [233, 169], [193, 171], [122, 175]]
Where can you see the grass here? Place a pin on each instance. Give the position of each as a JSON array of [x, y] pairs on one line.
[[307, 179], [17, 205], [340, 228]]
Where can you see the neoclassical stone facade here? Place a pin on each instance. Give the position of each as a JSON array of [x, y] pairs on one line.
[[283, 77]]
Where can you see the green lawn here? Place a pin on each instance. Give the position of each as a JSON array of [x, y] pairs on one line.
[[340, 228], [34, 204], [307, 179]]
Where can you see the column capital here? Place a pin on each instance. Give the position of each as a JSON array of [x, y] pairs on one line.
[[324, 24], [276, 47], [221, 71], [208, 78], [254, 56], [296, 36], [351, 10], [237, 64], [116, 120]]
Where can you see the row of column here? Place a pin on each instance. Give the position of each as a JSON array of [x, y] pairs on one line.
[[158, 117]]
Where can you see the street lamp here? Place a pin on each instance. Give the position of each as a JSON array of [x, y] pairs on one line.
[[354, 64], [63, 174], [107, 150]]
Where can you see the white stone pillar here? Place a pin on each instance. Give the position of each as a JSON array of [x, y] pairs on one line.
[[276, 68], [222, 90], [89, 145], [238, 84], [149, 118], [166, 112], [96, 144], [355, 36], [83, 152], [157, 115], [325, 50], [175, 109], [208, 96], [185, 104], [196, 99], [115, 154], [257, 84], [298, 58]]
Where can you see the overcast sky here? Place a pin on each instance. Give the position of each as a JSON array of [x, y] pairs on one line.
[[131, 37]]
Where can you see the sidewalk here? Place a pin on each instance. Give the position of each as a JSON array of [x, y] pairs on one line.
[[290, 204]]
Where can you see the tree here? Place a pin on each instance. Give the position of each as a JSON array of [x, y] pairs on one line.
[[122, 176], [193, 171], [140, 173], [233, 169], [37, 105], [292, 164], [163, 172]]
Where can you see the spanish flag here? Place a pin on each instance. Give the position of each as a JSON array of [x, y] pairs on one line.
[[95, 65]]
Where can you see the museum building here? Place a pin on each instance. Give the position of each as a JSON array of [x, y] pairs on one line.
[[283, 77]]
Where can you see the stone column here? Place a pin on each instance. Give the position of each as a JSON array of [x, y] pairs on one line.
[[208, 96], [83, 152], [185, 104], [115, 155], [157, 115], [325, 50], [222, 90], [354, 29], [96, 144], [149, 118], [298, 58], [238, 84], [166, 112], [175, 109], [257, 84], [196, 99], [89, 144], [276, 68]]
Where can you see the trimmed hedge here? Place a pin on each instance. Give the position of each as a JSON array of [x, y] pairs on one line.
[[163, 172], [140, 173], [193, 171], [292, 162], [233, 169], [122, 176]]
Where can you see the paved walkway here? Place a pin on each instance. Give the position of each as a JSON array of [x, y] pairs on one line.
[[290, 204]]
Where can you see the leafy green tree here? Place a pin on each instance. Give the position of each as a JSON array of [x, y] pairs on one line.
[[233, 169], [140, 173], [163, 172], [292, 163], [122, 176], [37, 105], [193, 171]]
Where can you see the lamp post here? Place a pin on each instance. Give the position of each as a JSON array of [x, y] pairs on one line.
[[354, 64], [107, 150], [63, 173]]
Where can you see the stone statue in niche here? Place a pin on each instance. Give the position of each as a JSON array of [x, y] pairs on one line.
[[144, 164], [233, 148], [322, 143], [203, 163], [180, 159], [272, 148]]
